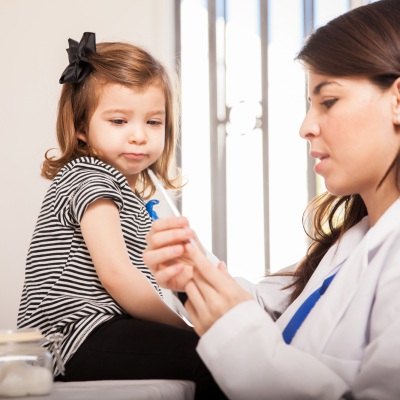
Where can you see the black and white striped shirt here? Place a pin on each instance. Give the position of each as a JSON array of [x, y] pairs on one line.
[[62, 292]]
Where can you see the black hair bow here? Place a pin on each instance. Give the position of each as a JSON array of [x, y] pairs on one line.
[[79, 66]]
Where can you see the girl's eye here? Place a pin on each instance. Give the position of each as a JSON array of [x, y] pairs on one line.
[[328, 103], [117, 121], [153, 122]]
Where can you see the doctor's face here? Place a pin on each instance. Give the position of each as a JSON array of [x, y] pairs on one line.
[[351, 131]]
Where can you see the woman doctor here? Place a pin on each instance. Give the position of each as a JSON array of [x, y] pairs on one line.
[[329, 328]]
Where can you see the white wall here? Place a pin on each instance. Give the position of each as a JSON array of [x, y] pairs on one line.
[[33, 38]]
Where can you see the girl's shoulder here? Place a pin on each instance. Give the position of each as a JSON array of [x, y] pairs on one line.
[[87, 166]]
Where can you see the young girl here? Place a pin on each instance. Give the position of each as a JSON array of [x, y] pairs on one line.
[[85, 276], [330, 328]]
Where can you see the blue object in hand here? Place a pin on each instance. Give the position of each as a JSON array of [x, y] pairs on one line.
[[149, 207]]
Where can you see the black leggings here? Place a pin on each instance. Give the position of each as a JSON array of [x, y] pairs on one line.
[[127, 348]]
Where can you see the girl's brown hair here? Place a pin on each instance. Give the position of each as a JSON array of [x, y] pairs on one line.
[[364, 42], [130, 66]]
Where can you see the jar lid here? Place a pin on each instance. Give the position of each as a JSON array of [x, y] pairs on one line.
[[20, 335]]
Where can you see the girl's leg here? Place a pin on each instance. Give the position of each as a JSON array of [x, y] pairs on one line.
[[127, 348]]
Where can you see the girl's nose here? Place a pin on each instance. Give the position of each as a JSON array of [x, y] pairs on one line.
[[137, 136], [310, 127]]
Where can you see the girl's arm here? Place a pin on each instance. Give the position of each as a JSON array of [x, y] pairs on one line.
[[101, 229]]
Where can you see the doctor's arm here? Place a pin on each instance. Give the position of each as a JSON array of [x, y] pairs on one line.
[[101, 229], [166, 257], [212, 292], [379, 373], [244, 348]]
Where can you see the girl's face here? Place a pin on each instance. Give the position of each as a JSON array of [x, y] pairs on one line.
[[127, 129], [352, 130]]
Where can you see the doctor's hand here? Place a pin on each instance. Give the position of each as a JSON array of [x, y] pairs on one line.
[[165, 253], [212, 292]]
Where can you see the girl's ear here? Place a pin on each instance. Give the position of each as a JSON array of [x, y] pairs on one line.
[[396, 101], [82, 136]]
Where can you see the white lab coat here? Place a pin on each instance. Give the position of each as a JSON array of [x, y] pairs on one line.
[[349, 345]]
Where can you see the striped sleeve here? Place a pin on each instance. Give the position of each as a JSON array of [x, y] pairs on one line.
[[75, 192]]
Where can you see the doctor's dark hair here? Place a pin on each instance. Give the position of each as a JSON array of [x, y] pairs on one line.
[[127, 65], [364, 42]]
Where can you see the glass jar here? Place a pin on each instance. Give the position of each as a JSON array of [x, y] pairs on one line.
[[25, 366]]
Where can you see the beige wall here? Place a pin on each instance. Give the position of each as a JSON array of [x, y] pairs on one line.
[[33, 38]]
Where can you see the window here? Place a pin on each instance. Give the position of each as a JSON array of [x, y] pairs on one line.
[[243, 100]]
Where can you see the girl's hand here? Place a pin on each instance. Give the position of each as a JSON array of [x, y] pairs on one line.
[[212, 291], [165, 252]]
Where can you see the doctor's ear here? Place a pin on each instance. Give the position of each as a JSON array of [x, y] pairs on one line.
[[396, 101]]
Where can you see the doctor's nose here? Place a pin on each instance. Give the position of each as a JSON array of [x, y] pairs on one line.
[[310, 127]]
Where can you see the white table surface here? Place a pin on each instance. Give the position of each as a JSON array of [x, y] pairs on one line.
[[151, 389]]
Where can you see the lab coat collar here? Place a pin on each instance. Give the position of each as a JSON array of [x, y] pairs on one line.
[[350, 258], [329, 264], [387, 223]]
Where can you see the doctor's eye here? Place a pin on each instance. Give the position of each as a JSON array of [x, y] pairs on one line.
[[328, 103]]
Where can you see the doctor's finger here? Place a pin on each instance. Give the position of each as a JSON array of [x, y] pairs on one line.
[[217, 303], [219, 289], [206, 288], [196, 296], [164, 224], [164, 275], [156, 240], [197, 307], [194, 318], [155, 258], [206, 310], [212, 275]]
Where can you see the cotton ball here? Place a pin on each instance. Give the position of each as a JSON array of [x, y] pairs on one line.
[[39, 380], [13, 383]]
